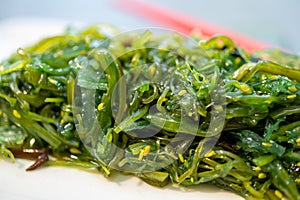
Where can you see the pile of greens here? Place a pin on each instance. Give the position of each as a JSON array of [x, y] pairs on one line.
[[156, 107]]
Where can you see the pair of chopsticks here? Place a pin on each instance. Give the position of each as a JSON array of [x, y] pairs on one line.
[[186, 24]]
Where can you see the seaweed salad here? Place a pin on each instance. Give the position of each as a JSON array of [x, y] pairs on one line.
[[157, 105]]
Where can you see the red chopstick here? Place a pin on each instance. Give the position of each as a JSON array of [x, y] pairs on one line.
[[186, 24]]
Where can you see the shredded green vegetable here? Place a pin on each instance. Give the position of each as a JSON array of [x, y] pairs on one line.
[[161, 107]]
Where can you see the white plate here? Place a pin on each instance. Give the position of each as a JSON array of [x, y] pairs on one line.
[[70, 183]]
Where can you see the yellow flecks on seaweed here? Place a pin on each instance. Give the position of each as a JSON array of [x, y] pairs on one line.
[[210, 154], [278, 194], [298, 142], [246, 89], [17, 114], [146, 150], [257, 169], [181, 158], [262, 175], [192, 180], [100, 106], [291, 96], [292, 89], [266, 144]]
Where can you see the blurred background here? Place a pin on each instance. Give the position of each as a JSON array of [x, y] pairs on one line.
[[275, 22]]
